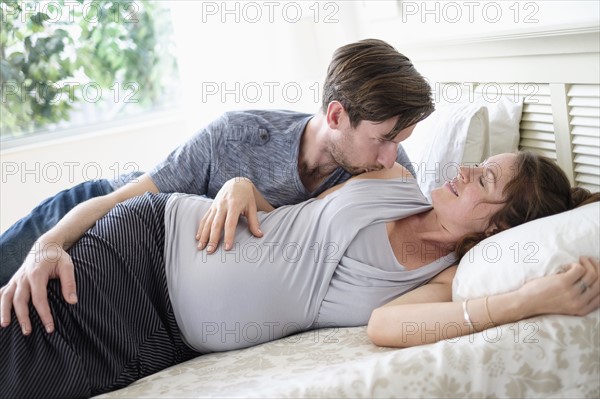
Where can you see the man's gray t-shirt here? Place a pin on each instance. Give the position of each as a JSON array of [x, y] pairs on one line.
[[261, 145]]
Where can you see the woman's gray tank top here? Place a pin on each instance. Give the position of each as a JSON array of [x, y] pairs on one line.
[[321, 263]]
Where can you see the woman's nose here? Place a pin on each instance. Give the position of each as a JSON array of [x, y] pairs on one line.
[[467, 173], [463, 173]]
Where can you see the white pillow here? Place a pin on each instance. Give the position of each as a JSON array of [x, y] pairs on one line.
[[452, 135], [505, 118], [505, 261]]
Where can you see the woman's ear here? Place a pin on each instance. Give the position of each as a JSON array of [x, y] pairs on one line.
[[491, 230], [495, 229]]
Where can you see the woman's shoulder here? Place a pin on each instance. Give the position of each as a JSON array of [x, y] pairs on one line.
[[396, 172]]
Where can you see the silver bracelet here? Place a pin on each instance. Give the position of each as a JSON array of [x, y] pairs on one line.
[[466, 314]]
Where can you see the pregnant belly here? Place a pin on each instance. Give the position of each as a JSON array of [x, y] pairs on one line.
[[257, 292]]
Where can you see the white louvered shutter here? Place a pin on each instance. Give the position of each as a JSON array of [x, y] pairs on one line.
[[537, 127], [584, 115]]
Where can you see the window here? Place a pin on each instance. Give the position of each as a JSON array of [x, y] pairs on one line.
[[72, 63]]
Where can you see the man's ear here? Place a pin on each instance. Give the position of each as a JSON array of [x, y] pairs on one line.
[[335, 114]]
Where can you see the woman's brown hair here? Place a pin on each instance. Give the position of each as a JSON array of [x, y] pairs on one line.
[[540, 188], [374, 82]]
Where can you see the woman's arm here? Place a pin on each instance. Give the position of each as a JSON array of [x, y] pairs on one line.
[[426, 315]]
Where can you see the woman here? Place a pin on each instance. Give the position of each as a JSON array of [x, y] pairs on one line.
[[149, 299]]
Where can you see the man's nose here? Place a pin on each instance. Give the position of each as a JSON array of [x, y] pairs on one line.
[[387, 156]]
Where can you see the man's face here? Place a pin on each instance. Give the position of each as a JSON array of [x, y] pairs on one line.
[[365, 148]]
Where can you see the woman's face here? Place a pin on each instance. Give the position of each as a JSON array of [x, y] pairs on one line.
[[465, 204]]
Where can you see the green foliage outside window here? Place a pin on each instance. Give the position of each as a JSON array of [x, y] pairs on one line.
[[56, 55]]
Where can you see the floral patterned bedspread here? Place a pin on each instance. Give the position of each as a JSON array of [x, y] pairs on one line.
[[551, 356]]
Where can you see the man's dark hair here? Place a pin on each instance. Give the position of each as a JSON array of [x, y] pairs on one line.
[[374, 82]]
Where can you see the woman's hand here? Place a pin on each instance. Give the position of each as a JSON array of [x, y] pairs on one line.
[[30, 282], [235, 198], [574, 291]]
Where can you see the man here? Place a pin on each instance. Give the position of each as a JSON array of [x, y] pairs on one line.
[[372, 99]]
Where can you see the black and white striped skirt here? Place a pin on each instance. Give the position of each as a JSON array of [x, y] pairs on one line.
[[122, 328]]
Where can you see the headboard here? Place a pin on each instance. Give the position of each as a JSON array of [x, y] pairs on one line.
[[556, 72]]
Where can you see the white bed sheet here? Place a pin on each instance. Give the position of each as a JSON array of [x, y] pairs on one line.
[[550, 356]]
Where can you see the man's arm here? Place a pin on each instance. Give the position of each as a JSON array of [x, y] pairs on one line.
[[81, 218], [49, 259], [238, 197], [186, 169]]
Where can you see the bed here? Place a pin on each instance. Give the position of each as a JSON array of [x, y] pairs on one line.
[[552, 79]]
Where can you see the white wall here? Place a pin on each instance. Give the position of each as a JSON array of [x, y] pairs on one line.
[[406, 22], [236, 55]]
